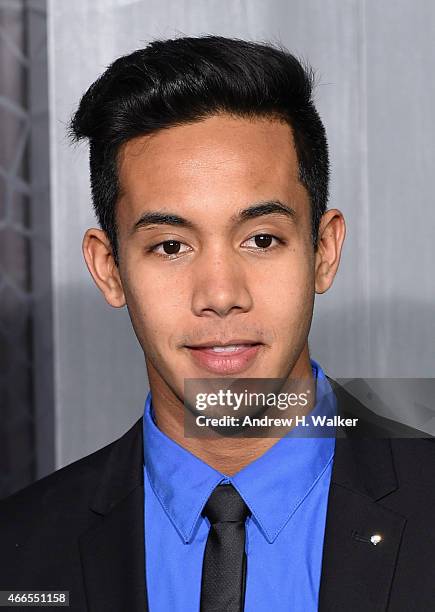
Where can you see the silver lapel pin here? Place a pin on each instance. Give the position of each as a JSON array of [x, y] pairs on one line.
[[375, 539]]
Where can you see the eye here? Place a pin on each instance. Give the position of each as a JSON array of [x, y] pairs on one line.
[[263, 241], [168, 248]]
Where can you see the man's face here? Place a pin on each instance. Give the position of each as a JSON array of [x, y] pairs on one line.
[[215, 248]]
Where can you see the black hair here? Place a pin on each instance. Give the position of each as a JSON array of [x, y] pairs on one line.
[[178, 81]]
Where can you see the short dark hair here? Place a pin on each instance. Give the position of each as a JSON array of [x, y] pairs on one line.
[[183, 80]]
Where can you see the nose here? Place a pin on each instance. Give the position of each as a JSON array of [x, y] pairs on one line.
[[220, 286]]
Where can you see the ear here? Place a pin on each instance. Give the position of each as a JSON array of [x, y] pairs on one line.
[[332, 230], [98, 255]]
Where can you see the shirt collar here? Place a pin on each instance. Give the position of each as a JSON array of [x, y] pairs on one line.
[[273, 486]]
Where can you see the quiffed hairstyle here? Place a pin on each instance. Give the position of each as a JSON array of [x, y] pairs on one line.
[[179, 81]]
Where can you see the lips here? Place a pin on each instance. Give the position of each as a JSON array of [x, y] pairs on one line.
[[226, 350], [231, 358]]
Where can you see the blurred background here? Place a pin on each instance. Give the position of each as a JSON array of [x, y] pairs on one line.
[[72, 375]]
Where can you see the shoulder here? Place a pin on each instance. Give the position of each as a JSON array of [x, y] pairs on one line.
[[62, 497], [414, 460], [68, 487], [370, 423], [388, 455], [41, 525]]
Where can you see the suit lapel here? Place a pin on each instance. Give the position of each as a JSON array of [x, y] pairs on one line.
[[112, 550], [356, 574]]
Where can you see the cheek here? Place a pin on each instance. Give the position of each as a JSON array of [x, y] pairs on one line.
[[156, 307], [286, 290]]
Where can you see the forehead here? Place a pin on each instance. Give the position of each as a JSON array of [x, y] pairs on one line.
[[221, 158]]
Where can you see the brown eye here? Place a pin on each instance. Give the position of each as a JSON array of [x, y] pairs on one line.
[[171, 247], [263, 243], [263, 240]]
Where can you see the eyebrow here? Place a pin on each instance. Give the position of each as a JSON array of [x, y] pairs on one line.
[[264, 208], [161, 218], [255, 210]]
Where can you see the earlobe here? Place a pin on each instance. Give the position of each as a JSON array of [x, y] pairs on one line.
[[99, 259], [332, 231], [323, 277]]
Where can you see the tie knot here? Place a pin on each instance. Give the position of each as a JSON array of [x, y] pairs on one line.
[[225, 505]]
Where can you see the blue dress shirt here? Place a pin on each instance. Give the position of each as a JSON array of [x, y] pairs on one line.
[[286, 490]]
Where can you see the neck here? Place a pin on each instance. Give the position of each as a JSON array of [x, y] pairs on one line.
[[225, 454]]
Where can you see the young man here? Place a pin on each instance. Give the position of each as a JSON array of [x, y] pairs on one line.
[[209, 174]]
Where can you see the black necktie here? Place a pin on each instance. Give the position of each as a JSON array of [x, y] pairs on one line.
[[224, 565]]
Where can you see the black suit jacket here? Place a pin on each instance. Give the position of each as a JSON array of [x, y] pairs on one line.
[[81, 529]]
